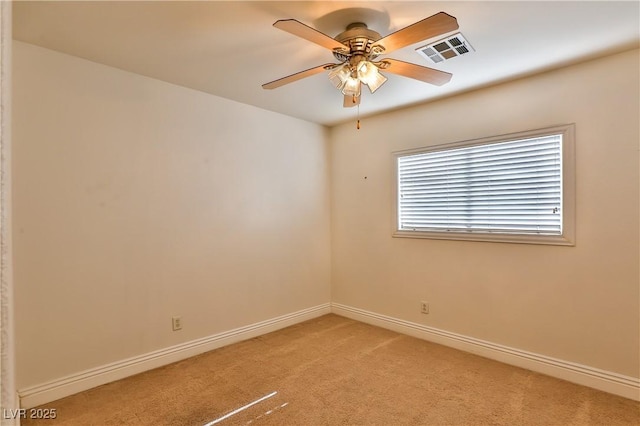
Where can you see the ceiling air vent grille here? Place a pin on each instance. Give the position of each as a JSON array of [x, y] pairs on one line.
[[447, 48]]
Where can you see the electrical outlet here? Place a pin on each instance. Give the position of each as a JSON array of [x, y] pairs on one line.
[[424, 307], [176, 323]]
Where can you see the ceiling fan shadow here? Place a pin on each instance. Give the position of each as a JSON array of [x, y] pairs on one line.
[[335, 22]]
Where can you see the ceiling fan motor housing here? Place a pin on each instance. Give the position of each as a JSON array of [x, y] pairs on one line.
[[360, 41]]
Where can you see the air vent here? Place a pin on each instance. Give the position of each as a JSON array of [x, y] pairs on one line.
[[443, 49]]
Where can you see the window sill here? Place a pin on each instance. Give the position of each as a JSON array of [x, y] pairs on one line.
[[555, 240]]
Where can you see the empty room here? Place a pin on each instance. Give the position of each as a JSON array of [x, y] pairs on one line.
[[320, 213]]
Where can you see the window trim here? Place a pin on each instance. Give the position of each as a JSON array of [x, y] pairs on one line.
[[567, 238]]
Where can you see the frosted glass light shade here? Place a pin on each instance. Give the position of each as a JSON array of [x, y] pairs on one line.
[[376, 82], [351, 87], [339, 75], [369, 74], [366, 71]]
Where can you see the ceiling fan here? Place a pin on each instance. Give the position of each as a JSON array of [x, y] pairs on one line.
[[357, 49]]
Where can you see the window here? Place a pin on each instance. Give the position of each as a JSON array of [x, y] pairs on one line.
[[513, 188]]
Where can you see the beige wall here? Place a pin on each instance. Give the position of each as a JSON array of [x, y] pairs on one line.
[[578, 304], [137, 200]]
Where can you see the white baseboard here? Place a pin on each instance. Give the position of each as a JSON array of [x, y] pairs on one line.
[[78, 382], [628, 387]]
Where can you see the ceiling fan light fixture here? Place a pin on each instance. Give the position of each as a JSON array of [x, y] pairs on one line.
[[351, 87], [377, 81], [366, 71], [370, 75], [339, 75]]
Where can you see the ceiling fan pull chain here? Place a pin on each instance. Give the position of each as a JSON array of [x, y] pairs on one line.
[[358, 122]]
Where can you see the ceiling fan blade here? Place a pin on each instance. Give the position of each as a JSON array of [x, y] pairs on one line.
[[418, 72], [299, 29], [433, 26], [297, 76], [350, 101]]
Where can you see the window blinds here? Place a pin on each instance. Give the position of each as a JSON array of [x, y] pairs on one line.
[[506, 187]]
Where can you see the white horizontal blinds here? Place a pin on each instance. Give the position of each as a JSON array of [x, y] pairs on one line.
[[505, 187]]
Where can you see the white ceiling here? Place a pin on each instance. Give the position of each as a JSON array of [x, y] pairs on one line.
[[229, 48]]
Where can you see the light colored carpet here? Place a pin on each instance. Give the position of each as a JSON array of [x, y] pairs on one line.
[[336, 371]]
